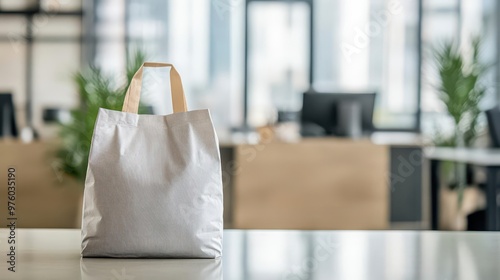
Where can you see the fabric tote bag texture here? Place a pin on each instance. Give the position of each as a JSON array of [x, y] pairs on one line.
[[154, 186]]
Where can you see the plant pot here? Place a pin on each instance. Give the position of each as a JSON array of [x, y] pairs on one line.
[[451, 216]]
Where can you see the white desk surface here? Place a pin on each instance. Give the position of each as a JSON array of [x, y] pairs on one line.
[[351, 255], [397, 139], [482, 157]]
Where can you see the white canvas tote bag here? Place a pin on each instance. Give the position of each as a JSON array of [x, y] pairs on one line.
[[154, 184]]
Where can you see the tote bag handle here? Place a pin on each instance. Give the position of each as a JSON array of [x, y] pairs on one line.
[[131, 103]]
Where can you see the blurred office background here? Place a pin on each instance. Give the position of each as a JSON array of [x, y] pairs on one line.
[[250, 62]]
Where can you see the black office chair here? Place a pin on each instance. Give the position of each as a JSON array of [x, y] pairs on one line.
[[493, 116]]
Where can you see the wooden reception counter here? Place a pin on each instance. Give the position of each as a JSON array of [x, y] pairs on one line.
[[323, 183]]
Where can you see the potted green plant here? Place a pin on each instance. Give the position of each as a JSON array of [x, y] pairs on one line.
[[96, 90], [460, 89]]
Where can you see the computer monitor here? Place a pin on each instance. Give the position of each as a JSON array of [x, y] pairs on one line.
[[325, 109], [7, 116]]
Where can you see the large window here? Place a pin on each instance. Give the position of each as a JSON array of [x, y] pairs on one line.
[[360, 46], [278, 58], [365, 45], [370, 45]]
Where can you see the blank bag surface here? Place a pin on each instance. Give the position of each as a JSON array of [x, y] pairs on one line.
[[153, 186]]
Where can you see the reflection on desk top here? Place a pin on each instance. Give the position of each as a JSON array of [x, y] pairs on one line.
[[55, 254], [481, 157]]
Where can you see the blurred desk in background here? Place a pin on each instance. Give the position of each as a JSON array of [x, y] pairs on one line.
[[324, 183], [45, 197], [316, 183]]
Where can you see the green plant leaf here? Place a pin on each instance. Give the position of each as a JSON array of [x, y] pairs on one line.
[[96, 90]]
